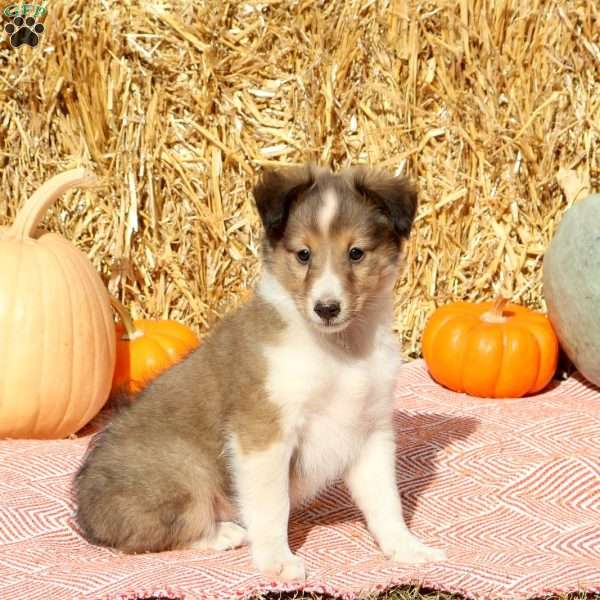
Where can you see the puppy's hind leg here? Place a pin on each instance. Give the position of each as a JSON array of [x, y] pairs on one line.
[[225, 536], [142, 506]]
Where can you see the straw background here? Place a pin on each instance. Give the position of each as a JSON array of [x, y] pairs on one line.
[[491, 106]]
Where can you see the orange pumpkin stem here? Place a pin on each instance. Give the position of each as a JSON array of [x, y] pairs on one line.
[[496, 314], [34, 209], [131, 332]]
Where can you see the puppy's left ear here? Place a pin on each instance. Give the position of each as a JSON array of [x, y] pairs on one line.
[[394, 196]]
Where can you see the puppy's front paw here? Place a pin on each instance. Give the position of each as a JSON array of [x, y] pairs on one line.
[[409, 549], [286, 567]]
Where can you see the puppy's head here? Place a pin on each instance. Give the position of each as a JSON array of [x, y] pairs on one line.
[[334, 241]]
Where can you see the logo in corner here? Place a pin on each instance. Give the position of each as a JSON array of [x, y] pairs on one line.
[[24, 27]]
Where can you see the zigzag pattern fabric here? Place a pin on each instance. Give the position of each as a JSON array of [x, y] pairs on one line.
[[509, 488]]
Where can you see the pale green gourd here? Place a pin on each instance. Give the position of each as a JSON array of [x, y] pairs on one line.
[[571, 278]]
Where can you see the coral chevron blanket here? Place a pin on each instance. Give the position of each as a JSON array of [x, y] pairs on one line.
[[509, 488]]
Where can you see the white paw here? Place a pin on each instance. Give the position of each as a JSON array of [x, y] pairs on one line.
[[285, 568], [227, 535], [409, 549]]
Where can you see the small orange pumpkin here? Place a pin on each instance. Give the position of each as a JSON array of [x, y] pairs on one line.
[[146, 348], [492, 349]]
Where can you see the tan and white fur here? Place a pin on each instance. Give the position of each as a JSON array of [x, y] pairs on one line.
[[288, 394]]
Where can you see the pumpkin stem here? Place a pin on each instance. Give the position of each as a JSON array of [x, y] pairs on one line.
[[496, 313], [131, 332], [34, 209]]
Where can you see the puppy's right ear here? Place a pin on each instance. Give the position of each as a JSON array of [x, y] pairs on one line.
[[275, 193]]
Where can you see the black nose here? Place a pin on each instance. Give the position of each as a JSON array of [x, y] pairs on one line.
[[327, 311]]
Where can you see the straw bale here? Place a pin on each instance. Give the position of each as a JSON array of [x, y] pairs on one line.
[[491, 106]]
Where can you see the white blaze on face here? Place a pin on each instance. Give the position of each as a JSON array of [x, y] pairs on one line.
[[328, 286], [327, 211]]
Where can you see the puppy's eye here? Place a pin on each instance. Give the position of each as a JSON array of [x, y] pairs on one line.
[[355, 254], [303, 255]]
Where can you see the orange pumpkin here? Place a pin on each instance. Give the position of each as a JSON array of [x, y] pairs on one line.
[[57, 340], [146, 348], [492, 349]]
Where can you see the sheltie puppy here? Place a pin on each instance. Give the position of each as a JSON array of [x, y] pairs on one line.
[[287, 394]]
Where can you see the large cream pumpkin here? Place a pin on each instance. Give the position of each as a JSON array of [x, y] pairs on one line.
[[57, 338]]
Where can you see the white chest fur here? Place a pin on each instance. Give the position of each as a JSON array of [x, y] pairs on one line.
[[330, 399]]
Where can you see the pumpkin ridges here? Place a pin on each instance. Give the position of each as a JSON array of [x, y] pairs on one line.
[[149, 359], [172, 345], [61, 322], [520, 361], [76, 267], [94, 382], [69, 274], [28, 329], [138, 351], [5, 337], [24, 327], [101, 298], [436, 322], [12, 358], [538, 325], [451, 343], [42, 381], [481, 357], [430, 341], [109, 335], [69, 271], [548, 346]]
